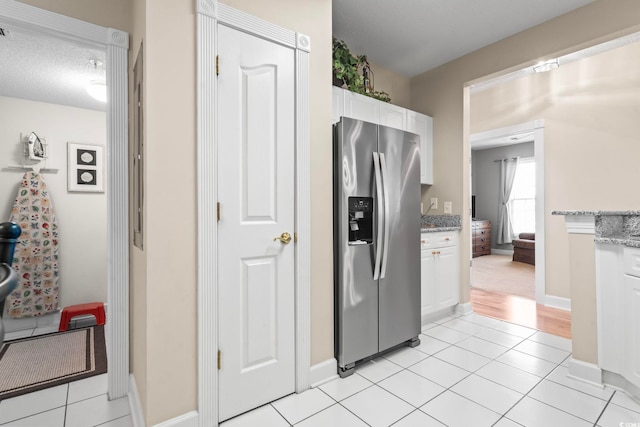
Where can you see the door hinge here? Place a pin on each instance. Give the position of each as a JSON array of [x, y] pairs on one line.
[[217, 65], [295, 237], [219, 359], [218, 211], [470, 263]]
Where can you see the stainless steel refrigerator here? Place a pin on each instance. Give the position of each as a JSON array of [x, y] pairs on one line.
[[376, 177]]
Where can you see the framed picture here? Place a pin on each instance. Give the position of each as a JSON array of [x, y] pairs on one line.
[[85, 168]]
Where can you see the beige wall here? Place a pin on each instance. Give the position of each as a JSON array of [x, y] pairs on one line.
[[441, 94], [138, 258], [396, 85], [583, 292], [590, 108], [111, 13]]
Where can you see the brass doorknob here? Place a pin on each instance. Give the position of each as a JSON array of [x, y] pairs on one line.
[[284, 238]]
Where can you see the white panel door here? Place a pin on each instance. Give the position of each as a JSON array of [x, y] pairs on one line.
[[427, 281], [447, 289], [393, 116], [423, 126], [361, 107], [256, 134]]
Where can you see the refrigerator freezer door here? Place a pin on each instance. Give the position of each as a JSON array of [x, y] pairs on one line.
[[399, 290], [356, 293]]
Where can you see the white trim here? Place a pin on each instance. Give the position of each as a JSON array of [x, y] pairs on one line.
[[116, 44], [207, 242], [323, 372], [464, 309], [190, 419], [580, 224], [303, 219], [537, 127], [586, 372], [506, 252], [557, 302], [135, 406], [209, 15]]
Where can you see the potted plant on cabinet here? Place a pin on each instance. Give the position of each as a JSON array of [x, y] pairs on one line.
[[352, 72]]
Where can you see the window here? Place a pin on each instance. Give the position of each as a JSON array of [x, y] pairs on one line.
[[522, 203]]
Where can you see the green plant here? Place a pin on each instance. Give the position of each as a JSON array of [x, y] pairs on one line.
[[347, 68]]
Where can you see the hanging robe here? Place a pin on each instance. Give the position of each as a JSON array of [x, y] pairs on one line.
[[36, 255]]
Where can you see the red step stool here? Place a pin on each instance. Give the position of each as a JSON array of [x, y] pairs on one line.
[[94, 308]]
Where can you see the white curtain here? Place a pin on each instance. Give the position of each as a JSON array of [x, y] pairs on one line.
[[507, 174]]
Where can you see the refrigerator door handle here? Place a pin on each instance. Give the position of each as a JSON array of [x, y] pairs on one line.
[[385, 250], [376, 166]]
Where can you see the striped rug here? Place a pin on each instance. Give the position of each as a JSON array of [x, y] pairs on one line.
[[31, 364]]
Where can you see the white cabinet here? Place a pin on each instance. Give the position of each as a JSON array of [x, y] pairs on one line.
[[361, 107], [356, 106], [423, 126], [440, 286], [337, 102], [393, 116], [632, 327], [618, 308]]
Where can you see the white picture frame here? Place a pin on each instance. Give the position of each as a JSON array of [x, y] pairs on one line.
[[85, 168]]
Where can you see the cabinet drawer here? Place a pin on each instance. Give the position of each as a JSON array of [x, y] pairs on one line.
[[482, 240], [481, 224], [438, 239], [632, 261], [478, 232]]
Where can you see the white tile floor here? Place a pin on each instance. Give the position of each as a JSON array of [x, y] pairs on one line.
[[80, 403], [468, 371]]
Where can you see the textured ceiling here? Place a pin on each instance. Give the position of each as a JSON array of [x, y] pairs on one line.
[[414, 36], [43, 68]]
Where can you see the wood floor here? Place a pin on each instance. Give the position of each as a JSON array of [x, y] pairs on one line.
[[522, 311]]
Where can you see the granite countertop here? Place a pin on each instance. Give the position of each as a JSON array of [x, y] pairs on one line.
[[436, 229], [596, 213], [435, 223], [612, 227]]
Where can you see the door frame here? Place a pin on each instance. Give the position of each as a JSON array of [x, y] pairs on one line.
[[537, 128], [116, 44], [209, 13]]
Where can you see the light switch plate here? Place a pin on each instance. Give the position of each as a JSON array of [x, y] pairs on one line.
[[434, 203], [447, 207]]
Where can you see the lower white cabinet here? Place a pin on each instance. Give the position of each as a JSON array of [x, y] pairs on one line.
[[440, 287], [618, 308], [632, 326]]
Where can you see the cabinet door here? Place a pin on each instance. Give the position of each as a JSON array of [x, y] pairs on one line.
[[393, 116], [337, 102], [423, 126], [632, 329], [361, 107], [446, 277], [427, 284]]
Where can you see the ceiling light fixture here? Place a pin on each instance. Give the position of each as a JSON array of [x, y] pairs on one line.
[[545, 66], [98, 90]]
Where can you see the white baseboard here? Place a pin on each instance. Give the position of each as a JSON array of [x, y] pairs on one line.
[[323, 372], [586, 372], [135, 405], [502, 252], [190, 419], [557, 302], [464, 309]]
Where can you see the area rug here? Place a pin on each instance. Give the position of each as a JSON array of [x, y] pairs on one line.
[[32, 364], [498, 273]]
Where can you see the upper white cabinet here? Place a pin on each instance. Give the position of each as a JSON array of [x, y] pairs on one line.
[[356, 106], [423, 126], [361, 107], [393, 116]]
